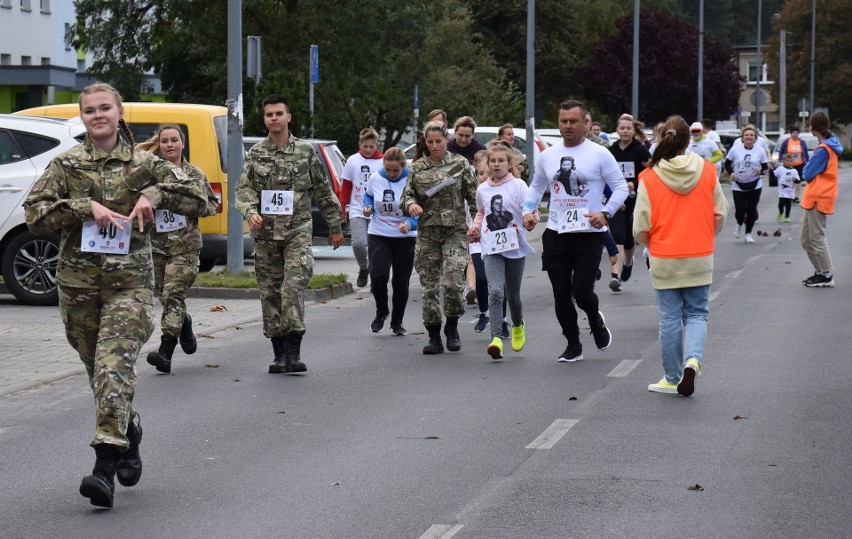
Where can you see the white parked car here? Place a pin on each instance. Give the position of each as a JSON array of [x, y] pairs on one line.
[[27, 144], [810, 140]]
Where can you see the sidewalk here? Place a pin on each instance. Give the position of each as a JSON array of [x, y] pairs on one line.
[[35, 351]]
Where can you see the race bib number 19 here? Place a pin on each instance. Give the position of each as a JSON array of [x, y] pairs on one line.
[[166, 221], [107, 240], [572, 220], [499, 241], [276, 202]]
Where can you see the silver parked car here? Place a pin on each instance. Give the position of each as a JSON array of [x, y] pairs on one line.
[[27, 144]]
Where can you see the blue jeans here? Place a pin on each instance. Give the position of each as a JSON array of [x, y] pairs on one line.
[[683, 327]]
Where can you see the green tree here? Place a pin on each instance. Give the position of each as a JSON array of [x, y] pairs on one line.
[[832, 65]]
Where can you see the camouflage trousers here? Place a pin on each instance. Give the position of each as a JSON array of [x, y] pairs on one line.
[[440, 257], [283, 269], [174, 275], [107, 328]]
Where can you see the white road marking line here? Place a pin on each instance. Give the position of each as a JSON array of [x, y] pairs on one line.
[[713, 296], [624, 368], [442, 531], [553, 434], [734, 274]]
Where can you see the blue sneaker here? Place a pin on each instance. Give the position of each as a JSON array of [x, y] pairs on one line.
[[482, 323]]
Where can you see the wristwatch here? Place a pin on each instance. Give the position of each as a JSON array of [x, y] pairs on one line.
[[607, 215]]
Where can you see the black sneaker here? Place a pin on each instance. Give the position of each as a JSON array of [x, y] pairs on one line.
[[504, 330], [598, 275], [481, 324], [615, 284], [573, 352], [810, 278], [397, 329], [378, 323], [819, 281], [602, 335], [626, 272], [362, 278]]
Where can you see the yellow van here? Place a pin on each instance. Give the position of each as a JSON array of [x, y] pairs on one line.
[[206, 130]]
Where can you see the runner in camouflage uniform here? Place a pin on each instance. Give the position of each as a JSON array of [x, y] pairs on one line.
[[175, 243], [274, 196], [437, 189], [99, 194]]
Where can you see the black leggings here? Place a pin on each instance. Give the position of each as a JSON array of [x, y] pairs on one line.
[[388, 254], [745, 207], [784, 206]]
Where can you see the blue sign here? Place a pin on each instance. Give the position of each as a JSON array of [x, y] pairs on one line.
[[416, 96], [314, 64]]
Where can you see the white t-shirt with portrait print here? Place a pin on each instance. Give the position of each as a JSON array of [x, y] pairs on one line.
[[387, 215], [503, 205], [358, 170], [787, 178], [747, 166]]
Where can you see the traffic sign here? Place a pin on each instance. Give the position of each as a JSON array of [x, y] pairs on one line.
[[314, 64], [803, 105]]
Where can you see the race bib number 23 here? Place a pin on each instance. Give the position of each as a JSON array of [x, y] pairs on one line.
[[499, 241]]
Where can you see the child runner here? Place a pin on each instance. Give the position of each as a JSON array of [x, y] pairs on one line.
[[480, 164], [504, 247], [788, 178], [391, 240]]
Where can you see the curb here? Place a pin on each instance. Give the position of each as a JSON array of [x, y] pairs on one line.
[[321, 294]]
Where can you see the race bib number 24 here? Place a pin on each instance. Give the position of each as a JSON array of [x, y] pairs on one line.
[[572, 220]]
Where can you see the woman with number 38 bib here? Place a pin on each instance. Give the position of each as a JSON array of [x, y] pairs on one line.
[[100, 195], [498, 227], [175, 244]]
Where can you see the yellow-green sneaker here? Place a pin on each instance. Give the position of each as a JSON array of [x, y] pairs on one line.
[[495, 349], [519, 338], [691, 370], [663, 386]]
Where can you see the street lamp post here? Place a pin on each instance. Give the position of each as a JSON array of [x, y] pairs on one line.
[[813, 51], [782, 84]]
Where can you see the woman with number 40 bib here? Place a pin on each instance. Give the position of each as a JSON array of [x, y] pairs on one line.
[[99, 195]]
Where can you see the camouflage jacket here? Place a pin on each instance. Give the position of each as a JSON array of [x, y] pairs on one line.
[[188, 238], [296, 168], [61, 200], [442, 206]]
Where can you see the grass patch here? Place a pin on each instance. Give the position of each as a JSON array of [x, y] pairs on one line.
[[246, 279]]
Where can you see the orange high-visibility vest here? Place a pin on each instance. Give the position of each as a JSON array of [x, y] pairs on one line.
[[682, 226], [822, 190], [794, 148]]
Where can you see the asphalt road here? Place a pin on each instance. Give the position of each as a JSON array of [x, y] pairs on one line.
[[379, 441]]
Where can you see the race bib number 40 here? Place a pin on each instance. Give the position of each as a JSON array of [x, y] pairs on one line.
[[276, 202], [572, 220], [499, 241], [108, 240], [166, 221]]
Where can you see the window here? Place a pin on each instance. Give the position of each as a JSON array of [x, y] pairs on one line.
[[81, 66], [5, 59], [25, 5], [754, 70], [6, 3], [8, 151], [34, 145], [26, 60], [68, 38], [45, 61], [44, 5]]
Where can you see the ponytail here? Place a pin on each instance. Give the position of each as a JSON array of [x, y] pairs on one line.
[[674, 140]]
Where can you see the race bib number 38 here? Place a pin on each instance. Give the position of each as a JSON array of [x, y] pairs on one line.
[[107, 240], [500, 241], [166, 221], [572, 220], [276, 202]]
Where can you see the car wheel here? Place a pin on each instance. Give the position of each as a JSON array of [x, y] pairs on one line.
[[29, 268], [206, 264]]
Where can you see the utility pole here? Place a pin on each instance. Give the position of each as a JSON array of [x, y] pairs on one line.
[[782, 85], [700, 61], [759, 68], [813, 52], [634, 100], [235, 133], [530, 106]]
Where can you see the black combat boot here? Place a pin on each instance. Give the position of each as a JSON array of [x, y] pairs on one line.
[[293, 361], [279, 346], [435, 345], [130, 462], [162, 358], [187, 338], [99, 487], [451, 330]]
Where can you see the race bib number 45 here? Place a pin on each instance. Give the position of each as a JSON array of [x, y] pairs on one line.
[[572, 220], [276, 202], [499, 241], [166, 221], [108, 240]]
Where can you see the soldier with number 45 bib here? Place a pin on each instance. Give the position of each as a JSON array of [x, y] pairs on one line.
[[175, 243], [274, 196]]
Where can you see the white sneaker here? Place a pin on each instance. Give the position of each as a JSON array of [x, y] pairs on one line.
[[749, 238], [739, 231]]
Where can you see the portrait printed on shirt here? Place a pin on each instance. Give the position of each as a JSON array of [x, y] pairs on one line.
[[746, 169], [570, 180], [361, 186], [497, 218]]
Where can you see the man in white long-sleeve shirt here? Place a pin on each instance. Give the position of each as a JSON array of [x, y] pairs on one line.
[[575, 173]]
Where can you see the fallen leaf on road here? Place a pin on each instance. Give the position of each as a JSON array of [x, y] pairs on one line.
[[696, 486], [335, 484], [432, 438], [237, 380], [572, 398], [282, 412], [738, 416], [212, 365], [218, 308]]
